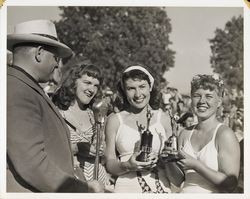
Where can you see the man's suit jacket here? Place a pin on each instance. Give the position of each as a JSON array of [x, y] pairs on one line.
[[39, 153]]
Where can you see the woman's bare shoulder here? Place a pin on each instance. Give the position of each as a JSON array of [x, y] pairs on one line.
[[225, 134], [113, 118]]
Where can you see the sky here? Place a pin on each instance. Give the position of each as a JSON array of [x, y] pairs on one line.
[[191, 30], [192, 27]]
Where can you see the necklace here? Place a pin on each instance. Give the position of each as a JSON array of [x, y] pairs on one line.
[[78, 116], [91, 116], [144, 185], [92, 122]]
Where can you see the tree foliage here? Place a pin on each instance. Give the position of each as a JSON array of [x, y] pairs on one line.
[[227, 52], [115, 37]]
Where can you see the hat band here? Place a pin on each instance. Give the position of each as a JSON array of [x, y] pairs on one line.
[[48, 36]]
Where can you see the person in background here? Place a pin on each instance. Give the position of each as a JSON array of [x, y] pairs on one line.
[[174, 106], [123, 136], [180, 108], [166, 95], [187, 102], [39, 154], [177, 95], [74, 98], [186, 120], [233, 113], [226, 117], [210, 150]]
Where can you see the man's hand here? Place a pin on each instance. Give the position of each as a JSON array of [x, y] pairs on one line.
[[95, 187]]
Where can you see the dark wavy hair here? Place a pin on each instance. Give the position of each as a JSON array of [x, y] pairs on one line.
[[66, 93], [207, 82], [154, 101]]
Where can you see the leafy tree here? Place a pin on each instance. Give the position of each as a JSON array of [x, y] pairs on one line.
[[227, 53], [115, 37]]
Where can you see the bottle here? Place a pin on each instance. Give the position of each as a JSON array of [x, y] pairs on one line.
[[146, 146], [146, 141], [171, 145]]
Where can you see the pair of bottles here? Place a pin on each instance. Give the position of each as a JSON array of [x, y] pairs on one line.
[[147, 138]]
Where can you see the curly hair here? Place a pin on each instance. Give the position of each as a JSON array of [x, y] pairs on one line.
[[154, 101], [66, 93], [209, 82]]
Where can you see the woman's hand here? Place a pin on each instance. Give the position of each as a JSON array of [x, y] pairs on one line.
[[187, 161], [95, 187], [76, 162], [133, 165]]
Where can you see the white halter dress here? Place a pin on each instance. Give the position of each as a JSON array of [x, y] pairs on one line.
[[126, 139], [194, 182]]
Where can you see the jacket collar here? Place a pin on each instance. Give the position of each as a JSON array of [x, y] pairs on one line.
[[23, 76], [25, 73]]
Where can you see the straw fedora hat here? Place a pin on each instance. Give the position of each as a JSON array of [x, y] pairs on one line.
[[40, 32]]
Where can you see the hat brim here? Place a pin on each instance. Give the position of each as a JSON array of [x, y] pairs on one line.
[[61, 49]]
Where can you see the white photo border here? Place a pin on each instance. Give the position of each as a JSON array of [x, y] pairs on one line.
[[170, 3]]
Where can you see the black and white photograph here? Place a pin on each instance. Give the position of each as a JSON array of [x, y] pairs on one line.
[[124, 99]]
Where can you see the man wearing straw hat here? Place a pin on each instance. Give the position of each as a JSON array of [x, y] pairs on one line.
[[39, 155]]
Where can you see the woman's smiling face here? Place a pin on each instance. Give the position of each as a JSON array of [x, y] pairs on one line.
[[86, 88], [137, 92], [205, 103]]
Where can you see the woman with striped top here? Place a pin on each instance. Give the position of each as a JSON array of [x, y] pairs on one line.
[[74, 98]]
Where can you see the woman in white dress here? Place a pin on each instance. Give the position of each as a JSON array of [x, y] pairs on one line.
[[210, 149], [123, 136]]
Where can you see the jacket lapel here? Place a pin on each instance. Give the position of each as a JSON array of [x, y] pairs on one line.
[[22, 77]]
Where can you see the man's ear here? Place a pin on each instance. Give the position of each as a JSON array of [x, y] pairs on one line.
[[38, 53]]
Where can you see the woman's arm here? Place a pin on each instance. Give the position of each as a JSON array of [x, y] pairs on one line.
[[225, 179], [113, 165], [228, 158]]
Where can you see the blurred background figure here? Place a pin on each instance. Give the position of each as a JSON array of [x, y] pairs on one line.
[[186, 120], [165, 98]]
